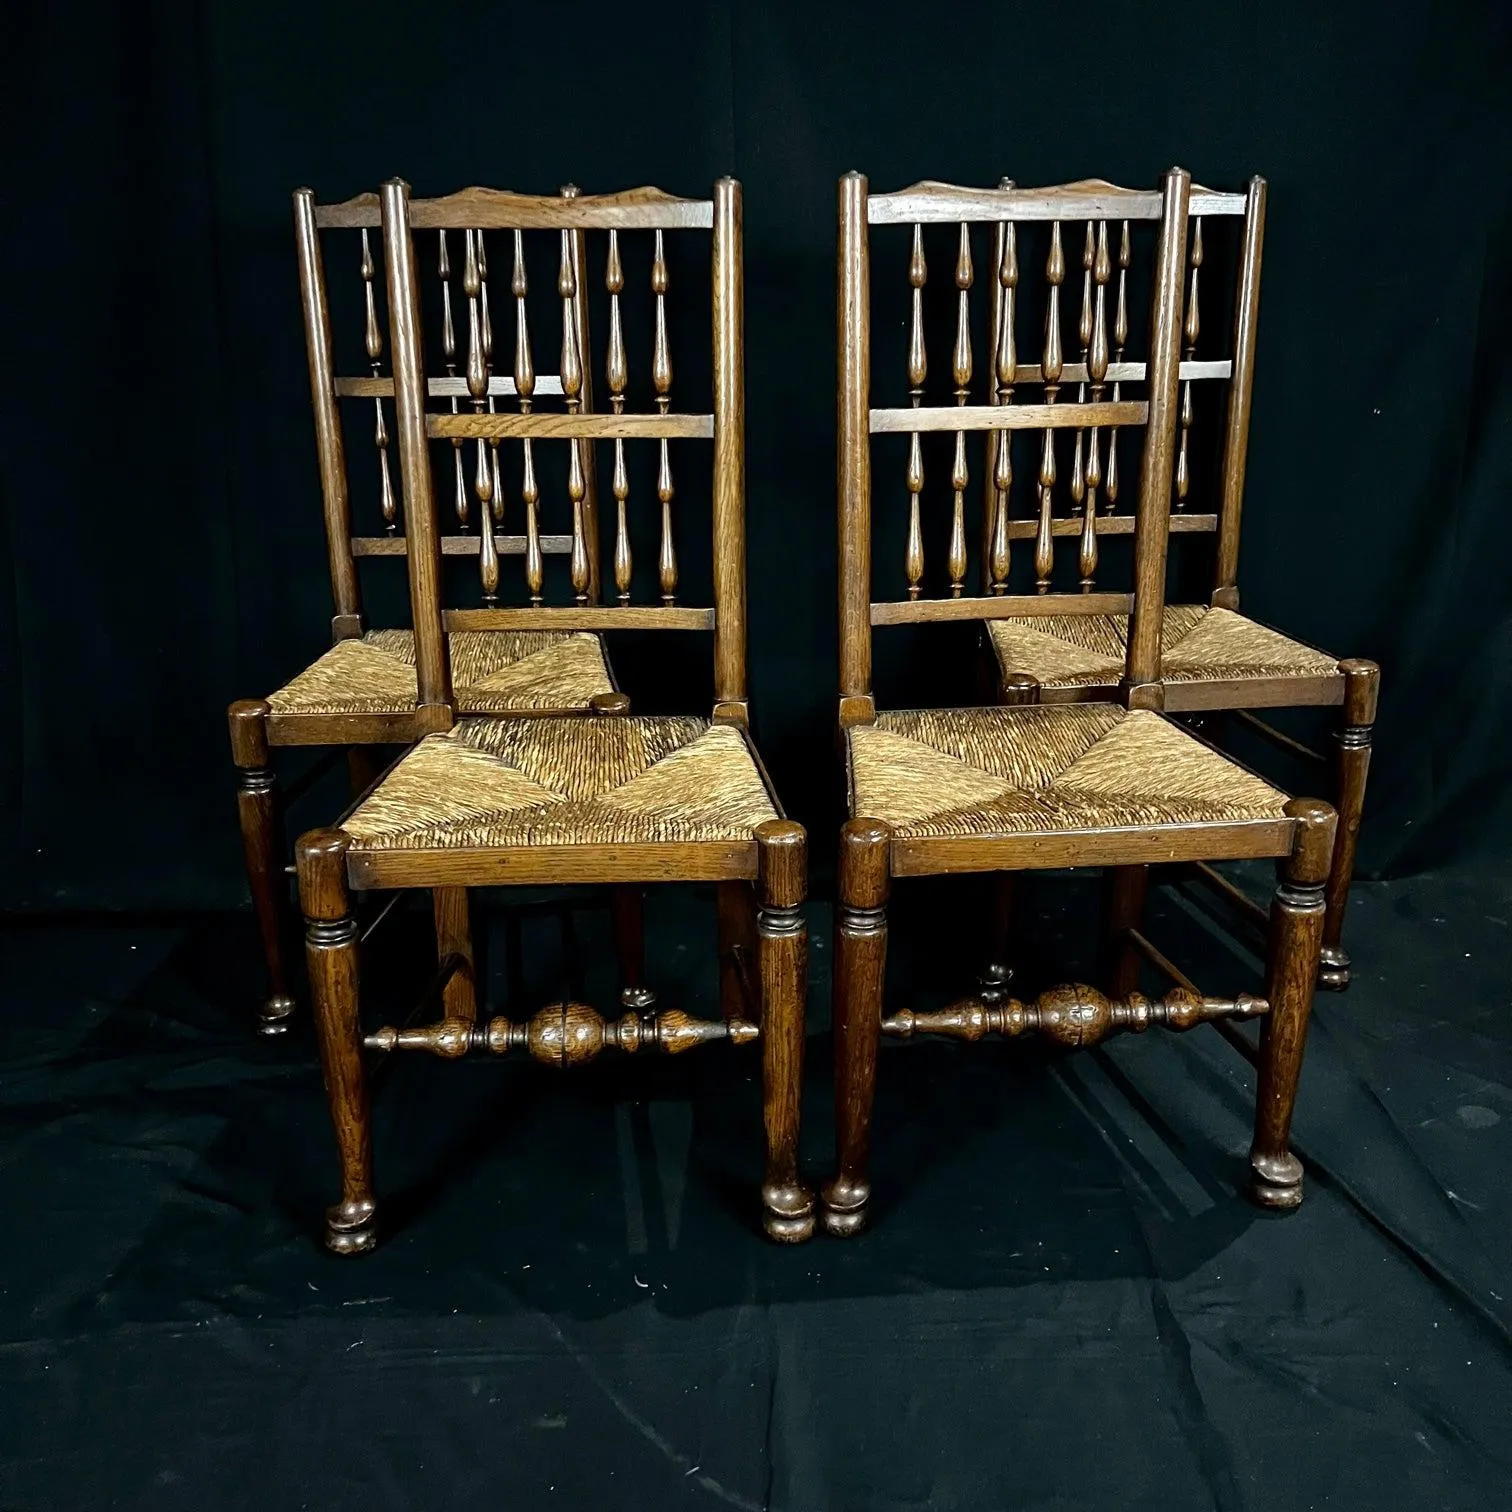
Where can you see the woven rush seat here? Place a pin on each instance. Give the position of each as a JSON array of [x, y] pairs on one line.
[[1197, 644], [946, 773], [493, 672], [621, 780]]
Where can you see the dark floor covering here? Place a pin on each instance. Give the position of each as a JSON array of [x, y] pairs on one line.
[[1062, 1303]]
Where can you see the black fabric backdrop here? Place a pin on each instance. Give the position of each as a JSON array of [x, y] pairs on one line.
[[162, 549]]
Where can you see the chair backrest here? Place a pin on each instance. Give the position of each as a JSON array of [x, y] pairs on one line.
[[472, 212], [1095, 414], [383, 535]]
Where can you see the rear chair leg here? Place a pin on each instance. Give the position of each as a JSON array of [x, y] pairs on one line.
[[331, 957], [860, 965], [262, 843], [1296, 937], [996, 975], [459, 998], [629, 908], [1127, 886], [1362, 681], [782, 881], [739, 992]]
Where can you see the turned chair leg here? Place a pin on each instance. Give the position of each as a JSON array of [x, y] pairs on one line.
[[1296, 937], [1362, 680], [459, 997], [782, 881], [629, 907], [262, 843], [860, 965], [739, 989], [1127, 887], [331, 958]]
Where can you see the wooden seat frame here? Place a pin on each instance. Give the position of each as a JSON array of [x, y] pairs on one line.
[[762, 988], [257, 728], [1353, 689], [871, 854]]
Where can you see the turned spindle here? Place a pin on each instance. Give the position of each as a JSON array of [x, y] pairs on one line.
[[565, 1034], [617, 372], [477, 388], [449, 353], [918, 367], [374, 341], [1050, 368], [1120, 340], [1097, 374], [661, 380], [572, 390], [1005, 373], [960, 372], [1074, 1016], [524, 378]]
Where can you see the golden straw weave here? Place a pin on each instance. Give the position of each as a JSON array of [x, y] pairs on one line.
[[1197, 644], [493, 672], [1046, 767], [615, 780]]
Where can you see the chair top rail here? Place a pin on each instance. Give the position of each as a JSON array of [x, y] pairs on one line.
[[930, 201], [644, 209]]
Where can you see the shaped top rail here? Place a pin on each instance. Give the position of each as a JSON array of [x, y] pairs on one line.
[[1087, 199], [644, 209]]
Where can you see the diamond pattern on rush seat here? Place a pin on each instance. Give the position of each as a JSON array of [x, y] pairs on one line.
[[493, 672], [1197, 644], [1044, 768], [614, 780]]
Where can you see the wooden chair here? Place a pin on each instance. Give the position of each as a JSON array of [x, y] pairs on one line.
[[626, 800], [362, 693], [1035, 785], [1212, 657]]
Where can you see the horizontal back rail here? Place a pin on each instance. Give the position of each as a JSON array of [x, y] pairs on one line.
[[580, 426], [996, 417], [441, 388], [931, 202], [462, 545], [1000, 606], [476, 209], [582, 617]]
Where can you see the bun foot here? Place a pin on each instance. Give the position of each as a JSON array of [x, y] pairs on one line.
[[787, 1213], [274, 1015], [1275, 1182], [845, 1204], [351, 1228], [1333, 968]]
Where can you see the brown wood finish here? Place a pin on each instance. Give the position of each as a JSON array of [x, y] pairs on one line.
[[782, 941], [263, 847], [774, 855], [331, 960], [1292, 971], [926, 611], [629, 907], [860, 972], [739, 955], [462, 545], [1362, 680], [1122, 912], [454, 940], [853, 480]]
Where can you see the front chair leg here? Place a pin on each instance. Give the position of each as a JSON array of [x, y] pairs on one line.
[[459, 997], [1362, 681], [860, 965], [1296, 937], [262, 843], [1126, 889], [331, 957], [782, 881], [629, 907]]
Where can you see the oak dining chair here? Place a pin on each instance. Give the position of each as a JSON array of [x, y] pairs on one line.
[[361, 694], [622, 799], [1035, 784], [1212, 658]]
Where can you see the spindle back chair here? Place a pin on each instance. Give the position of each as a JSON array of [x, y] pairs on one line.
[[1039, 785], [363, 691], [623, 800], [1211, 657]]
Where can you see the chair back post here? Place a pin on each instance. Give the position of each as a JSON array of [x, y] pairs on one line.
[[728, 278], [346, 591], [1141, 682], [853, 464], [1241, 394], [423, 543], [587, 456]]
